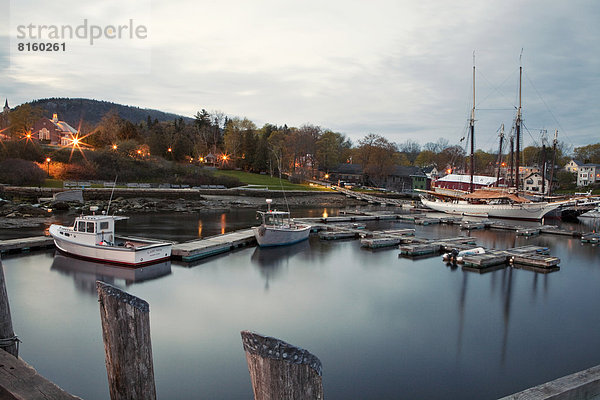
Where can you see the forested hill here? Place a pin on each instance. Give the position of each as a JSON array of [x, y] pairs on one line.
[[92, 111]]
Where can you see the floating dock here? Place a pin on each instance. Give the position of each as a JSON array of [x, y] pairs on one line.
[[201, 248], [26, 244]]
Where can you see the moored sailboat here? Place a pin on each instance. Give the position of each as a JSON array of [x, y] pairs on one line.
[[491, 202]]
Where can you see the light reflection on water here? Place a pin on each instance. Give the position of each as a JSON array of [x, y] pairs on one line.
[[383, 326]]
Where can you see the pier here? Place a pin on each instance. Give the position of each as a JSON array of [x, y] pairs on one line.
[[201, 248]]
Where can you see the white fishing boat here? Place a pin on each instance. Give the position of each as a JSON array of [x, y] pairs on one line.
[[93, 237], [278, 229]]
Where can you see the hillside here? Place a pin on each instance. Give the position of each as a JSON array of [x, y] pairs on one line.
[[92, 111]]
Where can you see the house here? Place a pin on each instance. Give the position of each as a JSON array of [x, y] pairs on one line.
[[588, 174], [401, 178], [573, 166], [53, 132], [533, 183], [431, 172], [463, 182], [348, 173]]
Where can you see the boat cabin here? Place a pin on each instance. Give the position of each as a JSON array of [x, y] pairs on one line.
[[92, 229], [274, 218]]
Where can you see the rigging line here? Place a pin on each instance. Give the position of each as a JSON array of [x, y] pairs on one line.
[[496, 88], [545, 104]]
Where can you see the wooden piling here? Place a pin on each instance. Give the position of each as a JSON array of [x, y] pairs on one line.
[[8, 341], [279, 370], [126, 334]]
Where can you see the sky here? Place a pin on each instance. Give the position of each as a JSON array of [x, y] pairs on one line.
[[400, 69]]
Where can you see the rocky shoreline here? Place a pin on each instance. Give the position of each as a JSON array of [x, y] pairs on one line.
[[19, 214]]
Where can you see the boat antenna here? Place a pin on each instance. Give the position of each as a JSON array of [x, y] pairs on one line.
[[111, 194], [280, 182]]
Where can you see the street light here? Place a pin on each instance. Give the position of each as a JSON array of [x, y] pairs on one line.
[[48, 164], [114, 146]]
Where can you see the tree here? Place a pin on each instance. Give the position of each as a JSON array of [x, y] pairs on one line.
[[22, 118], [588, 154], [331, 150], [377, 156], [105, 134], [411, 148], [425, 158]]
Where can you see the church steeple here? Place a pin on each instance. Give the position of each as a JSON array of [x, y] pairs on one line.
[[6, 107]]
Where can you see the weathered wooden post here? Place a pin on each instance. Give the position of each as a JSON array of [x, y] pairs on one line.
[[126, 333], [8, 341], [279, 370]]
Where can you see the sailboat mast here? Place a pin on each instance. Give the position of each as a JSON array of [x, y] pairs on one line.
[[512, 160], [543, 169], [553, 161], [499, 162], [518, 132], [472, 126]]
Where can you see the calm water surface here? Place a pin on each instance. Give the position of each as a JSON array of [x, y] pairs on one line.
[[384, 327]]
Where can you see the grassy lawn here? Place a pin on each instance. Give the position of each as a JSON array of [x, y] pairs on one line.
[[266, 180], [53, 183]]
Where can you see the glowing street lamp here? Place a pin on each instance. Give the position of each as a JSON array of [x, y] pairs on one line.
[[326, 176], [169, 150], [48, 164], [114, 146]]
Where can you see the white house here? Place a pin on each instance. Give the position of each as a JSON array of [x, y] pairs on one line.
[[573, 166], [533, 183], [588, 174]]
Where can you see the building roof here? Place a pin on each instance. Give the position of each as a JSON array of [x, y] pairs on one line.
[[6, 104], [589, 165], [477, 179], [576, 162], [534, 173], [401, 170], [64, 127], [347, 168]]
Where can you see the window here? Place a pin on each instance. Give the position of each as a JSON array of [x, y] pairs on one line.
[[103, 225], [90, 227], [81, 226]]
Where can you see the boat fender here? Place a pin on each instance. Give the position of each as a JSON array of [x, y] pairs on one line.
[[129, 245]]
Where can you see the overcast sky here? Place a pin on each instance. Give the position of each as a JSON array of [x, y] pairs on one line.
[[401, 69]]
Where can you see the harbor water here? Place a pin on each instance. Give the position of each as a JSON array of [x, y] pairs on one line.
[[383, 326]]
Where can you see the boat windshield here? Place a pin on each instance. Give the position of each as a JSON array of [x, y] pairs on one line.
[[275, 218]]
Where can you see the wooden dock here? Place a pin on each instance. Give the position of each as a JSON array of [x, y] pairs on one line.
[[18, 380], [201, 248], [26, 244]]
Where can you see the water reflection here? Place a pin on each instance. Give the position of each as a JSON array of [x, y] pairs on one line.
[[86, 273], [270, 260]]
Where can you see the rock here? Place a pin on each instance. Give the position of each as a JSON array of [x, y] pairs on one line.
[[60, 206]]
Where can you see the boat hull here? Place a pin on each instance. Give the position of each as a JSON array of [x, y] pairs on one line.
[[150, 253], [520, 211], [273, 236]]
